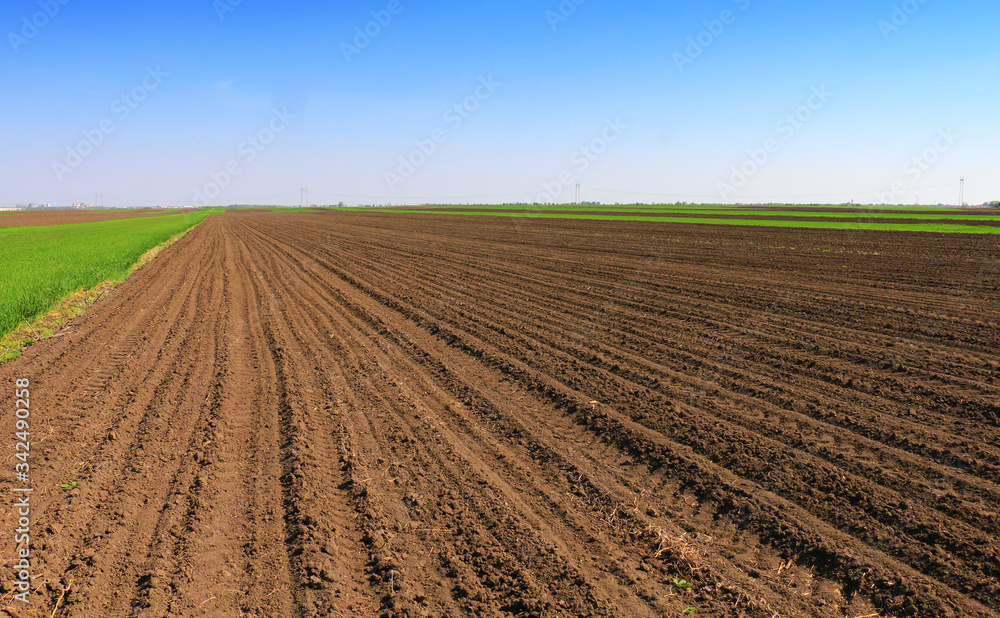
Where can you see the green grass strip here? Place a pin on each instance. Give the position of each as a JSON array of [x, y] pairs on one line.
[[691, 208], [43, 264], [829, 225], [770, 213]]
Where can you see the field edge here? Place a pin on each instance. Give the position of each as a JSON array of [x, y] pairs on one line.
[[62, 312]]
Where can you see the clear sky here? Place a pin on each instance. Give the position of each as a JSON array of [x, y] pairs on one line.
[[411, 101]]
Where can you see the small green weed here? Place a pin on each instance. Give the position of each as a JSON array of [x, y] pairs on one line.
[[681, 583]]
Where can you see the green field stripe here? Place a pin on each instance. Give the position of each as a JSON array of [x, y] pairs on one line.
[[830, 225], [43, 264], [768, 213], [686, 208]]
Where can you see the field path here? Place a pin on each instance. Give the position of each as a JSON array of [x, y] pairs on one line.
[[391, 415]]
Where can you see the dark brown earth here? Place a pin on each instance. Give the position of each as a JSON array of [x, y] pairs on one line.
[[20, 218], [374, 414]]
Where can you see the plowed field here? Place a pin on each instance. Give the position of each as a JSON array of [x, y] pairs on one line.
[[20, 218], [372, 414]]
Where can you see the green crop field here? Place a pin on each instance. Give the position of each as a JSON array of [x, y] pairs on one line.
[[826, 209], [43, 264], [883, 219]]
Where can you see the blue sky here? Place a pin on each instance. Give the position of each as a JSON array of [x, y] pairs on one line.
[[221, 102]]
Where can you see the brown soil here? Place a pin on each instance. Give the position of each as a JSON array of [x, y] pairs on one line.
[[57, 217], [367, 414]]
